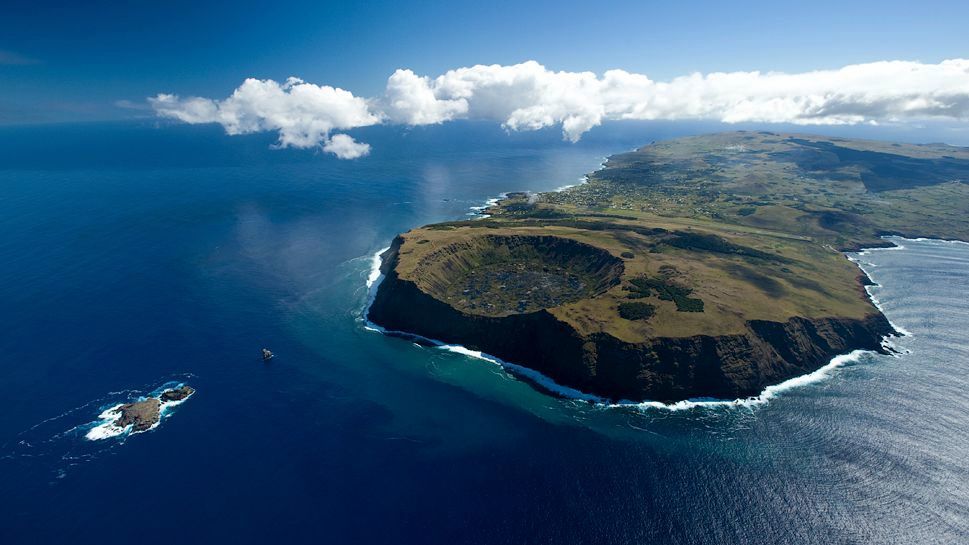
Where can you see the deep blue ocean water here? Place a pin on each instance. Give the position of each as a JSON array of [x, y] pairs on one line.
[[132, 255]]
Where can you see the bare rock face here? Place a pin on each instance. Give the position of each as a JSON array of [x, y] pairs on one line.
[[141, 415], [177, 394]]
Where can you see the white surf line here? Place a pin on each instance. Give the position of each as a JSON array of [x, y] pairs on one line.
[[515, 369], [107, 428], [770, 392], [109, 417], [373, 283], [763, 398], [375, 275], [930, 240], [526, 372], [866, 268], [584, 179], [874, 300], [476, 211]]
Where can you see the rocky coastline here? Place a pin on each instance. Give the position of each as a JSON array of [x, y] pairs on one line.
[[709, 266], [665, 369], [142, 415]]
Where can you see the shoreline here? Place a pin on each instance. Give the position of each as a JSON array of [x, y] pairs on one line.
[[546, 385], [105, 427], [479, 212]]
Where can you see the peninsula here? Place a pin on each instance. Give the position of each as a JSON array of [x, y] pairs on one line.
[[709, 266]]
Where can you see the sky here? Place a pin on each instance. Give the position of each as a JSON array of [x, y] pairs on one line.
[[88, 61]]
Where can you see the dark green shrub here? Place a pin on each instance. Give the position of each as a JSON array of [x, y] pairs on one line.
[[688, 304], [636, 310], [644, 286]]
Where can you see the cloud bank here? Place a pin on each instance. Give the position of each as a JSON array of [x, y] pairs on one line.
[[528, 96]]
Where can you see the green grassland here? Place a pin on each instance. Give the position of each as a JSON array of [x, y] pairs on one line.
[[840, 192], [697, 235]]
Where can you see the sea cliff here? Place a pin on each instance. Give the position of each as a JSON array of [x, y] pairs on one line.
[[661, 368], [707, 266]]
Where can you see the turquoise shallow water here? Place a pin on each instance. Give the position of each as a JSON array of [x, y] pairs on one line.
[[135, 255]]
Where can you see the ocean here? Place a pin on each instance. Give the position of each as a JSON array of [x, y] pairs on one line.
[[136, 256]]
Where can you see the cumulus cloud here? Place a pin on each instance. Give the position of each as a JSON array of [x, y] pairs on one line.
[[303, 114], [528, 96], [345, 147], [411, 99]]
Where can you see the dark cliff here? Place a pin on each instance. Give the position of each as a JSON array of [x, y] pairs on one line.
[[665, 369]]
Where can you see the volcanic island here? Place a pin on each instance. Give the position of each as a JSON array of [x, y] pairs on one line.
[[701, 267]]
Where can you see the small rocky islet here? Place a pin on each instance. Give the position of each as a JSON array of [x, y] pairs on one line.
[[177, 394], [142, 415]]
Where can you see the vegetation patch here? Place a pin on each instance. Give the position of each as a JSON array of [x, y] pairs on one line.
[[713, 243], [644, 286], [636, 310]]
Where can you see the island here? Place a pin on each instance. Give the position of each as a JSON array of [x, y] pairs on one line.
[[701, 267], [142, 415]]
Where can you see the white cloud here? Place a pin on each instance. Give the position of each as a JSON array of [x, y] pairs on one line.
[[528, 96], [345, 147], [410, 99], [303, 114]]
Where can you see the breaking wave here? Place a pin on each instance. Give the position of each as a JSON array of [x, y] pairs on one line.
[[72, 437], [106, 426], [763, 398], [478, 211]]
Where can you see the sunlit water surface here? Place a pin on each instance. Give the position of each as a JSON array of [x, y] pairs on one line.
[[136, 256]]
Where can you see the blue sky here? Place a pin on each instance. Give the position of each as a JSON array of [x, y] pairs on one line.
[[75, 61]]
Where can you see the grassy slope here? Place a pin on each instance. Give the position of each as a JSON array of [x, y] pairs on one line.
[[792, 183], [788, 203]]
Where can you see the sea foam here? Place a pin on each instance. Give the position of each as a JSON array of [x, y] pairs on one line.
[[763, 398], [867, 267], [546, 383], [477, 211], [375, 275], [107, 426]]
